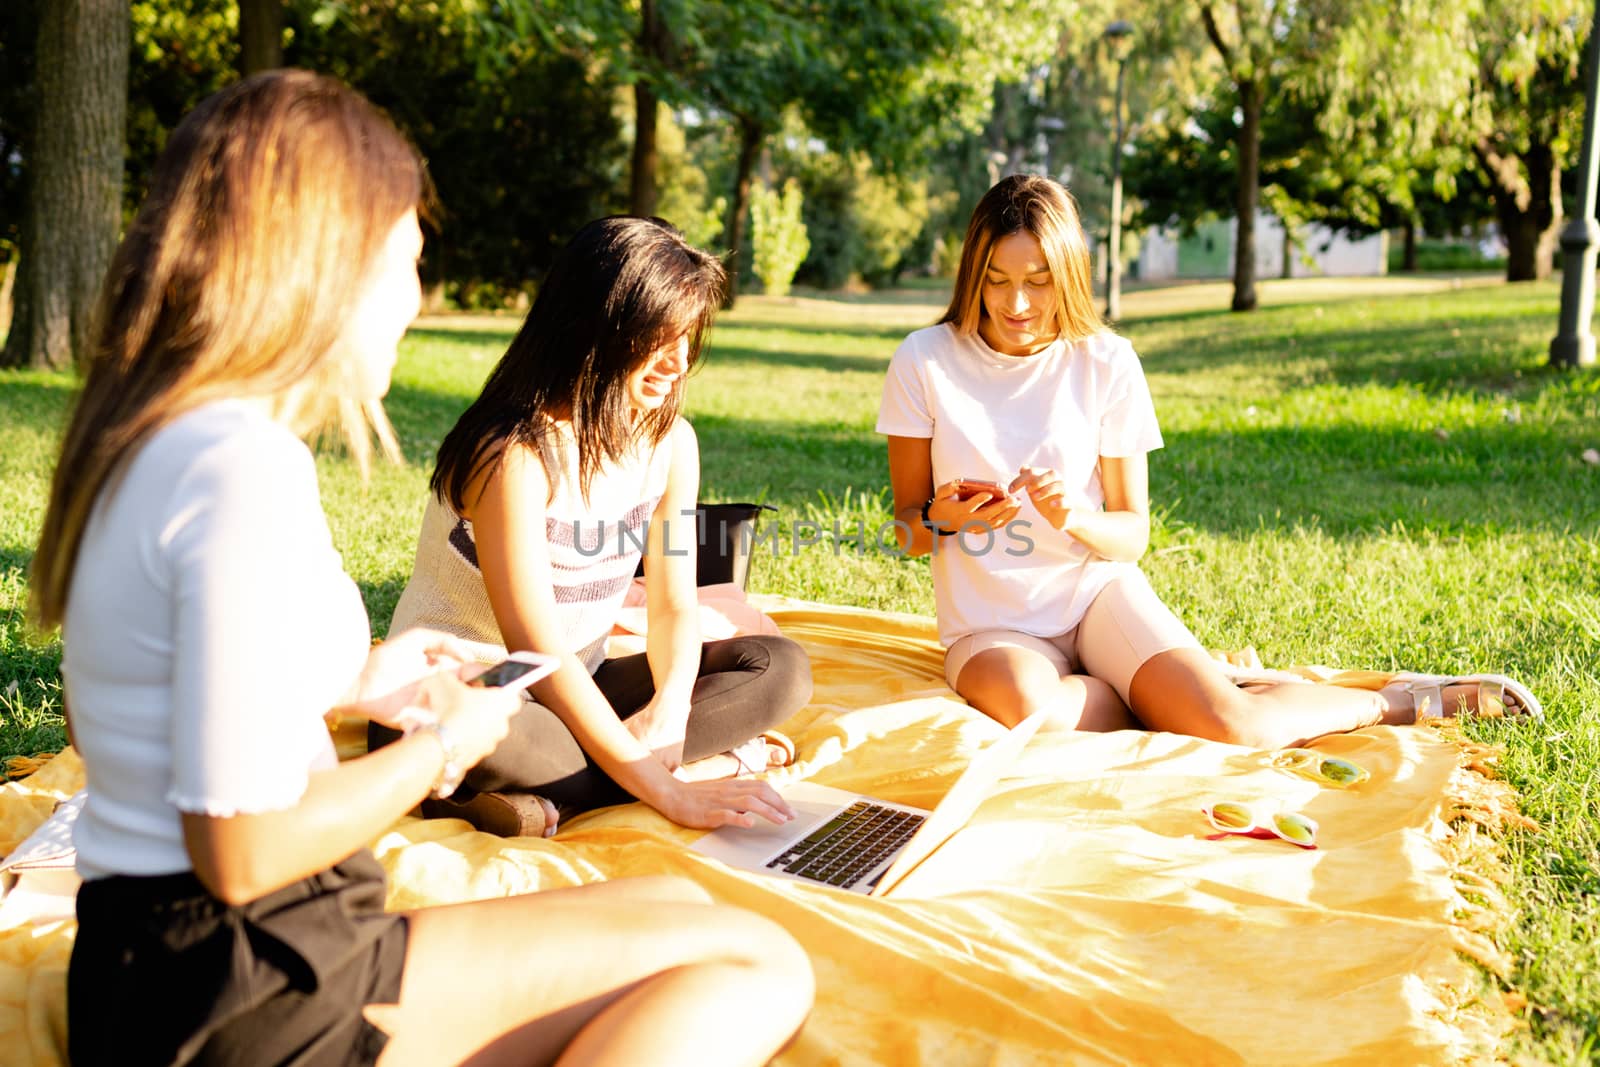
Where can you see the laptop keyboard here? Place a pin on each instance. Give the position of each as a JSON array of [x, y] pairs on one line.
[[842, 850]]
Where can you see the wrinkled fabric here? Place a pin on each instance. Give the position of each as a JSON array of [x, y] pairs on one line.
[[1081, 917]]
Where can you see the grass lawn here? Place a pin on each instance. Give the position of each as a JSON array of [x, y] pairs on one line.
[[1364, 474]]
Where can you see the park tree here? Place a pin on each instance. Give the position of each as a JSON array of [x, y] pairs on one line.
[[518, 133], [1181, 172], [18, 31], [1527, 118], [1398, 66], [183, 51], [73, 190], [779, 236], [260, 35]]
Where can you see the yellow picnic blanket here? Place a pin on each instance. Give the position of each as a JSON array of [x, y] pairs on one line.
[[1081, 917]]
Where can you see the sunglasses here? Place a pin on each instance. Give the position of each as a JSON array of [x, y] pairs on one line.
[[1329, 770], [1240, 817]]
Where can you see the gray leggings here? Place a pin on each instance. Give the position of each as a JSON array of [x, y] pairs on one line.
[[746, 685]]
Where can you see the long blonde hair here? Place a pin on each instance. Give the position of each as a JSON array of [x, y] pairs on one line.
[[266, 212], [1041, 207]]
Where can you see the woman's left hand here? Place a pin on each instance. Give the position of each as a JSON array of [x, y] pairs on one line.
[[660, 726], [386, 689], [1045, 488]]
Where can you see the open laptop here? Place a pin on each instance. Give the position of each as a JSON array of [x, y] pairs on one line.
[[856, 842]]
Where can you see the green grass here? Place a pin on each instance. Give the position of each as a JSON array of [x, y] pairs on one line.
[[1371, 474]]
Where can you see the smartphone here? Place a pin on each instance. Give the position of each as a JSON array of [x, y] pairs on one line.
[[520, 669], [971, 487]]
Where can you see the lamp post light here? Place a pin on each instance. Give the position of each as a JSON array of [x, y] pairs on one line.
[[1573, 344], [1120, 35]]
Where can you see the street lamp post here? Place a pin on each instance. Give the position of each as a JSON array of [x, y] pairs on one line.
[[1120, 34], [1573, 345]]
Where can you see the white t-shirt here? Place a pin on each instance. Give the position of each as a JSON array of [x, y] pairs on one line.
[[209, 628], [988, 415]]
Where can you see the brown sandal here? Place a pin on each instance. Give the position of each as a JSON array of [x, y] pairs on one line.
[[501, 814]]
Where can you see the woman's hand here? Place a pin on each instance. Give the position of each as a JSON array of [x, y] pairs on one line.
[[950, 511], [386, 690], [1045, 488], [726, 802], [660, 725], [478, 717]]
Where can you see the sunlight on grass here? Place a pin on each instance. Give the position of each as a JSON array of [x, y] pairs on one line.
[[1382, 474]]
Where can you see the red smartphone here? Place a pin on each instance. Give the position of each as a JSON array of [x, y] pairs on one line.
[[966, 488]]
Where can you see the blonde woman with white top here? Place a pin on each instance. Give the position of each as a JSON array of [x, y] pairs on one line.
[[1040, 599], [231, 911]]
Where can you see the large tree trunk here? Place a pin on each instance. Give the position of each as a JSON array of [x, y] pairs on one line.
[[1527, 202], [260, 35], [74, 200], [642, 192], [750, 137], [1251, 95]]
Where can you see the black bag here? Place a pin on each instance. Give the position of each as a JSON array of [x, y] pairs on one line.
[[725, 541]]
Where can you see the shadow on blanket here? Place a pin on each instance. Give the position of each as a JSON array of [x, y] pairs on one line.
[[1082, 917]]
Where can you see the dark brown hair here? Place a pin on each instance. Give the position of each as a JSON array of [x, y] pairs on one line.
[[622, 288]]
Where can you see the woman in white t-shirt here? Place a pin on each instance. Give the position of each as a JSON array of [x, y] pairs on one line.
[[230, 910], [1040, 599]]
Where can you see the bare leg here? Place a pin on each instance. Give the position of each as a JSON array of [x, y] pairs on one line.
[[1183, 691], [1009, 684], [635, 971]]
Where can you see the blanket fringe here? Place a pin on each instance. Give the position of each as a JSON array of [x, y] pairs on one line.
[[16, 767], [1477, 811]]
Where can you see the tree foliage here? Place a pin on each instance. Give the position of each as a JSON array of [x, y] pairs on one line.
[[19, 28], [1391, 72], [1526, 119], [523, 149], [779, 236]]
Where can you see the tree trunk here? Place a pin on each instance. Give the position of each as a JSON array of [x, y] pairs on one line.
[[8, 271], [1251, 95], [73, 213], [1408, 255], [642, 192], [260, 35], [750, 137], [1527, 200]]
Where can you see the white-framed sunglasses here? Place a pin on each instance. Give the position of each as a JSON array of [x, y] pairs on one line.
[[1250, 820]]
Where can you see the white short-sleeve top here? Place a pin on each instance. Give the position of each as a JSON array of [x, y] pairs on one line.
[[209, 627], [987, 415]]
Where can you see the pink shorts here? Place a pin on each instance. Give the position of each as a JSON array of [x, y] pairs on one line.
[[1124, 627]]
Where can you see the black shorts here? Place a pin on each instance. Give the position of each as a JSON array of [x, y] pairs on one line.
[[163, 972]]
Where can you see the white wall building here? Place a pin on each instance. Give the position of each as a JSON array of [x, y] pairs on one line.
[[1208, 253]]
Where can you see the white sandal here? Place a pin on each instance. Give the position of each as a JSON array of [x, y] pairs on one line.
[[755, 755], [1427, 693]]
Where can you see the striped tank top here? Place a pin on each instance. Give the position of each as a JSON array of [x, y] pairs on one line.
[[594, 547]]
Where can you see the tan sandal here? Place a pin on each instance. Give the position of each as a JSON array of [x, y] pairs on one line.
[[501, 814]]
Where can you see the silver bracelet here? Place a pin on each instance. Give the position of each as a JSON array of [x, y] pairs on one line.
[[451, 773]]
